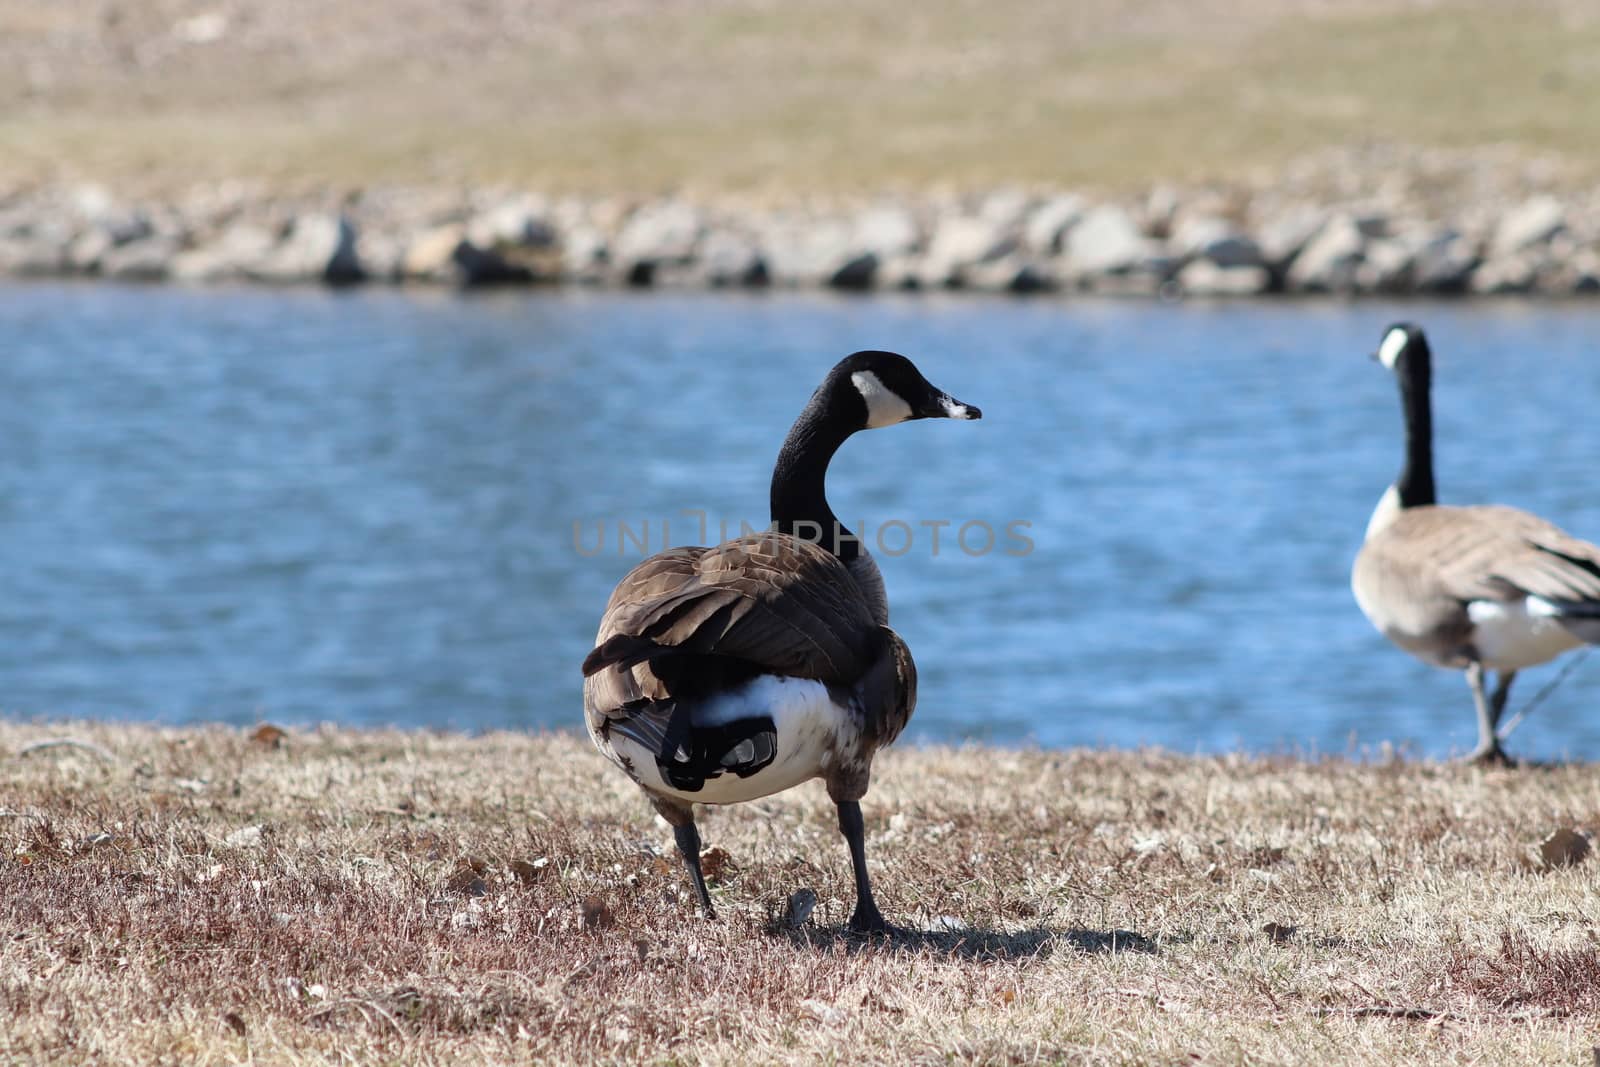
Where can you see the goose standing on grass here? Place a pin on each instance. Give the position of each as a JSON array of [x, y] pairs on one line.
[[725, 674], [1476, 588]]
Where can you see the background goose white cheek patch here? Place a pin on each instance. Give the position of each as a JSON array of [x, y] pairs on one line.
[[1389, 351]]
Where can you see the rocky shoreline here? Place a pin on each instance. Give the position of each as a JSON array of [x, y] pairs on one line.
[[1421, 235]]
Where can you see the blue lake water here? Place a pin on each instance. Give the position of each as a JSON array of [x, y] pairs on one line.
[[360, 507]]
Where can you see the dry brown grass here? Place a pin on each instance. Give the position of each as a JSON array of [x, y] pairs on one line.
[[634, 96], [200, 897]]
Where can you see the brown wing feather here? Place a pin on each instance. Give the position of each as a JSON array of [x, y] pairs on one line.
[[778, 603], [1500, 553], [1556, 566], [889, 691]]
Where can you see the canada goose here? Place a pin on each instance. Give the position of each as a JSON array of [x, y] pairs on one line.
[[725, 674], [1478, 588]]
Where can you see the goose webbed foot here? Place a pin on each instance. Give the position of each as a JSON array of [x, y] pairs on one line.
[[1489, 708], [1489, 755], [866, 919]]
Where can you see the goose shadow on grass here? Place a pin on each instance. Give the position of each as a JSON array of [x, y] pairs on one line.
[[970, 943]]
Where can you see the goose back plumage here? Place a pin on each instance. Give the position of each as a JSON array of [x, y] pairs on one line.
[[693, 624]]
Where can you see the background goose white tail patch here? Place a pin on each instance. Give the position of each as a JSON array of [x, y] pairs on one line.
[[1511, 635]]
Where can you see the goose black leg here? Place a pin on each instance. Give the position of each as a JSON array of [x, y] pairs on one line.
[[687, 835], [867, 918], [1497, 702], [688, 838], [1488, 751]]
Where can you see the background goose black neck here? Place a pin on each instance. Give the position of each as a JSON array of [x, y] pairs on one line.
[[799, 497], [1413, 369]]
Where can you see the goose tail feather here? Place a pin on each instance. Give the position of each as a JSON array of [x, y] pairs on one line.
[[622, 651]]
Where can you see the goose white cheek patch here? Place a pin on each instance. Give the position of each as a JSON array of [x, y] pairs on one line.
[[884, 405], [1392, 345]]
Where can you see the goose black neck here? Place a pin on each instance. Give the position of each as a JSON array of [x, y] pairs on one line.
[[1415, 484], [799, 497]]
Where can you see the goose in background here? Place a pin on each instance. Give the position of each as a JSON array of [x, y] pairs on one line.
[[725, 674], [1477, 589]]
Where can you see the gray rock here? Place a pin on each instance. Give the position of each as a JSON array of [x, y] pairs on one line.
[[806, 254], [1444, 263], [1004, 240], [1191, 233], [1143, 281], [1106, 241], [1285, 235], [514, 242], [149, 260], [477, 266], [1160, 210], [1386, 267], [1573, 272], [319, 248], [1013, 273], [1033, 277], [520, 222], [1328, 262], [1534, 222], [1585, 273], [90, 201], [431, 255], [662, 232], [1217, 240], [585, 252], [381, 253], [1515, 272], [1233, 250], [1046, 226], [38, 247], [232, 255], [728, 257], [85, 253], [127, 226], [960, 242], [25, 257], [886, 230], [111, 229], [15, 221], [1372, 222], [855, 274], [1205, 277], [1004, 208], [900, 272]]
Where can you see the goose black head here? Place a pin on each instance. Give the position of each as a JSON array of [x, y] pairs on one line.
[[883, 388], [1405, 350]]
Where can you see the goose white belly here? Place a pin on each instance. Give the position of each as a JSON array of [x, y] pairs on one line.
[[811, 729], [1511, 635]]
